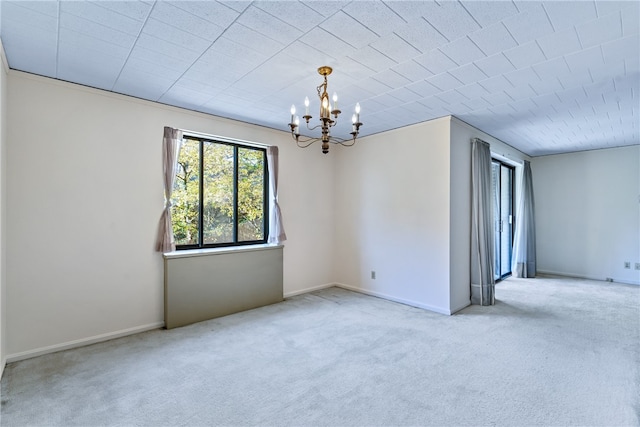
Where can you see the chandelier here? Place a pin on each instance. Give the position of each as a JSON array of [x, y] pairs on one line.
[[326, 122]]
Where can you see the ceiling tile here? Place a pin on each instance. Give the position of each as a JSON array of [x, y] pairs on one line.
[[395, 48], [451, 97], [166, 48], [631, 19], [252, 39], [136, 10], [49, 8], [525, 55], [391, 79], [372, 59], [468, 74], [175, 36], [296, 14], [376, 16], [600, 31], [487, 13], [495, 84], [495, 65], [451, 19], [96, 69], [584, 58], [129, 83], [436, 62], [98, 15], [529, 25], [405, 95], [239, 52], [421, 35], [560, 43], [472, 91], [445, 81], [70, 40], [497, 98], [349, 30], [327, 7], [546, 86], [41, 45], [327, 43], [493, 39], [551, 69], [521, 92], [411, 70], [34, 17], [174, 16], [520, 77], [263, 23], [462, 51], [423, 88], [221, 14], [567, 14], [83, 27]]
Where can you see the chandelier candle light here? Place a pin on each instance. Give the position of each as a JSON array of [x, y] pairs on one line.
[[326, 122]]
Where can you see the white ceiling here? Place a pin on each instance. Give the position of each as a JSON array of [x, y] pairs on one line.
[[545, 77]]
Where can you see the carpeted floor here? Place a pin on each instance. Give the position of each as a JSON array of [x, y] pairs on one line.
[[551, 352]]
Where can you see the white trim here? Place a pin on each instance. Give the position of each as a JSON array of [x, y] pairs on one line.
[[2, 366], [186, 132], [311, 289], [3, 58], [190, 253], [82, 342], [582, 276], [395, 299]]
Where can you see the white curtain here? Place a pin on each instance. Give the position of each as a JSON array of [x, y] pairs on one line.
[[523, 262], [170, 149], [276, 229], [482, 279]]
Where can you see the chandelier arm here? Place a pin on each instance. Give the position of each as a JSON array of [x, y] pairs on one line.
[[303, 144]]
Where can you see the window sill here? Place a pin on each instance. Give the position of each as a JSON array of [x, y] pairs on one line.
[[189, 253]]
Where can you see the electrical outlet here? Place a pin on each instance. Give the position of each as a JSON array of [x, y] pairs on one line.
[[627, 264], [637, 265], [373, 275]]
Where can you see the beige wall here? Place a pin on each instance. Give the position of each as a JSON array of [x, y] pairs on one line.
[[84, 199], [588, 213], [392, 215]]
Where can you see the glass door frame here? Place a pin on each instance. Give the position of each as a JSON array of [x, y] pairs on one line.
[[498, 275]]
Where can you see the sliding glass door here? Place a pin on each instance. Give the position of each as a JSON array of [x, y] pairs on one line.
[[503, 180]]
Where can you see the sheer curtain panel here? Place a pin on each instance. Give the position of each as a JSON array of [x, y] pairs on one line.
[[523, 263], [276, 229], [170, 150], [482, 279]]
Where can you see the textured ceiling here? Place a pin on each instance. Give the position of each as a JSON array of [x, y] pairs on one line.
[[544, 77]]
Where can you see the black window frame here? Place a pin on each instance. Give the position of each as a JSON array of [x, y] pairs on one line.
[[265, 204]]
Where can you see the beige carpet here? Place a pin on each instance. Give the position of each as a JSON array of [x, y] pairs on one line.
[[550, 353]]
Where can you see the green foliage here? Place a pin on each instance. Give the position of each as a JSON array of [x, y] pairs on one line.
[[218, 194]]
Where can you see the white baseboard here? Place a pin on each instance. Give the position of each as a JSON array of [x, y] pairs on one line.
[[395, 299], [81, 342], [3, 363], [307, 290], [582, 276]]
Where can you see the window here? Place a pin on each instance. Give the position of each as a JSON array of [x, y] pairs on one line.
[[220, 194]]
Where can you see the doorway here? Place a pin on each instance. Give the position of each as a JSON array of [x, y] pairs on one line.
[[502, 193]]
